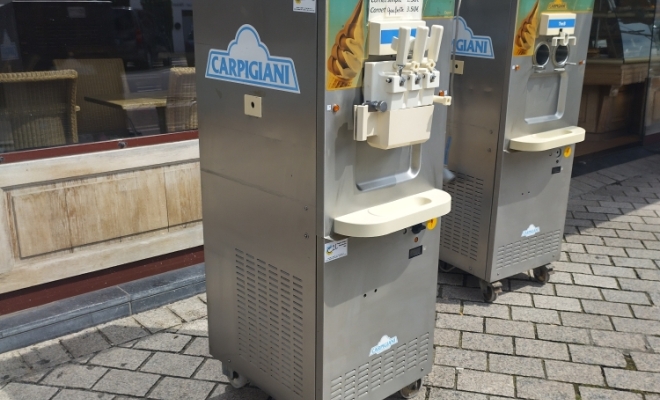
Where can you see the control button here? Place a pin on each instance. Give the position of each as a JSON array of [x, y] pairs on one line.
[[568, 151], [418, 228], [431, 224]]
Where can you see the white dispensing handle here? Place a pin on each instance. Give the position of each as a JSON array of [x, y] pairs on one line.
[[403, 46], [436, 42], [419, 49]]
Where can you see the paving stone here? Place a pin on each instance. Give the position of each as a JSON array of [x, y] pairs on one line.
[[74, 376], [572, 267], [521, 366], [443, 394], [589, 393], [126, 382], [595, 240], [605, 250], [189, 309], [515, 299], [539, 389], [172, 364], [573, 248], [562, 334], [633, 262], [199, 347], [635, 235], [67, 394], [461, 293], [618, 242], [33, 377], [649, 274], [12, 365], [646, 361], [158, 319], [597, 355], [164, 342], [226, 392], [535, 315], [557, 303], [647, 254], [652, 245], [619, 340], [511, 328], [616, 272], [181, 389], [485, 382], [645, 228], [622, 296], [590, 258], [647, 312], [446, 337], [636, 326], [443, 377], [45, 354], [654, 342], [211, 370], [22, 391], [460, 322], [118, 357], [195, 328], [486, 310], [562, 277], [461, 358], [450, 279], [639, 285], [586, 321], [606, 308], [490, 343], [597, 281], [574, 373], [580, 292], [633, 380], [86, 342], [122, 330], [541, 349]]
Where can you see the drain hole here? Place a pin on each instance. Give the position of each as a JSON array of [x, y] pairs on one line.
[[561, 55], [542, 55]]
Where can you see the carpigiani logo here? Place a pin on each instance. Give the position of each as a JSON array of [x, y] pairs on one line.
[[557, 5]]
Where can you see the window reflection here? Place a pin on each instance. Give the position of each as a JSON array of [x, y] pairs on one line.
[[83, 71]]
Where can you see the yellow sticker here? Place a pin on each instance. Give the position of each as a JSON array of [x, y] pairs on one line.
[[568, 151]]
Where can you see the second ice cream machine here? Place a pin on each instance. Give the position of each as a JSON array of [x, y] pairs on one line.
[[518, 73]]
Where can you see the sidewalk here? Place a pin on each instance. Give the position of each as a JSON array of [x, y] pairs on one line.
[[592, 333]]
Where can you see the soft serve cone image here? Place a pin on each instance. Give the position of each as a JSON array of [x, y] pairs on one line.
[[526, 34], [347, 55]]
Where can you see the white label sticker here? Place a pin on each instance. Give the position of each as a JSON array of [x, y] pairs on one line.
[[335, 250], [388, 10], [385, 344], [308, 6], [247, 61], [531, 231]]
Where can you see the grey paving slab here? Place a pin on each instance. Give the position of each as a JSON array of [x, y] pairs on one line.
[[164, 342], [485, 382], [557, 303], [633, 380], [636, 325], [646, 361], [511, 328], [535, 315], [460, 322], [122, 330], [74, 376], [616, 272], [564, 334], [541, 349], [486, 310], [655, 343], [198, 347], [578, 292], [597, 356], [606, 308], [461, 358], [226, 392], [586, 321], [448, 306], [574, 373], [158, 319], [531, 287], [619, 340], [69, 394], [181, 389], [622, 296], [45, 354], [633, 262], [461, 293], [521, 366], [489, 343], [22, 391], [86, 342], [590, 393], [12, 366], [189, 309], [443, 394], [211, 370], [596, 281], [172, 364], [539, 389], [121, 358], [195, 328], [515, 299], [443, 377], [126, 382], [446, 337]]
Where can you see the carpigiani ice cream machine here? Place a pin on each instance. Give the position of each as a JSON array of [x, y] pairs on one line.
[[519, 67], [319, 126]]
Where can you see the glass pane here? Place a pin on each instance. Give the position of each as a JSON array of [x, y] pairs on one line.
[[84, 71]]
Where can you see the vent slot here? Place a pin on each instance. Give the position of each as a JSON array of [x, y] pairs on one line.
[[369, 377], [528, 248], [460, 228], [270, 320]]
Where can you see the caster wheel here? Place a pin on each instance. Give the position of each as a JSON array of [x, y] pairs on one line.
[[490, 291], [236, 380], [411, 390], [542, 274]]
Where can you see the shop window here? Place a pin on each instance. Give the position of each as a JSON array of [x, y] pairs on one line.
[[81, 72]]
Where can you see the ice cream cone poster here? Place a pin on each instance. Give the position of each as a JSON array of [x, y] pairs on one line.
[[347, 43], [529, 16]]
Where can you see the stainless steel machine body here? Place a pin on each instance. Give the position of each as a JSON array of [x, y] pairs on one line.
[[512, 130], [298, 309]]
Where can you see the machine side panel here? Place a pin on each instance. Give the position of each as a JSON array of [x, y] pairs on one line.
[[474, 128], [259, 199]]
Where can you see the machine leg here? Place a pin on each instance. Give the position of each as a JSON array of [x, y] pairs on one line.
[[411, 390], [490, 290], [235, 379], [542, 274]]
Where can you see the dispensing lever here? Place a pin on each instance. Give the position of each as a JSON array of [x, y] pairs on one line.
[[419, 48], [403, 47], [435, 43]]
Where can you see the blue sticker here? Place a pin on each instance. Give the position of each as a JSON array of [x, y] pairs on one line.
[[470, 45], [387, 36], [247, 61], [561, 23], [531, 231]]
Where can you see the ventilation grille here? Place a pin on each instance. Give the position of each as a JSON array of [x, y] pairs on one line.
[[528, 248], [460, 228], [270, 320], [370, 376]]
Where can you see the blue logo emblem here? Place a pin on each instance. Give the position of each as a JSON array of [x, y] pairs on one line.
[[470, 45], [247, 61]]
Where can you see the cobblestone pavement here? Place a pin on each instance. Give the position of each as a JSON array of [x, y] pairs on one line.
[[592, 333]]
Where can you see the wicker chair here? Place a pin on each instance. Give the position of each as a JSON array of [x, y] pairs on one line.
[[39, 108], [103, 77], [181, 108]]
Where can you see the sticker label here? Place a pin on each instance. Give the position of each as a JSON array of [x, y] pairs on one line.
[[308, 6], [384, 10], [385, 344], [531, 231], [335, 250], [470, 45], [247, 61]]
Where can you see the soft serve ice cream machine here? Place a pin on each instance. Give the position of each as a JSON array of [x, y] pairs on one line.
[[319, 126], [513, 131]]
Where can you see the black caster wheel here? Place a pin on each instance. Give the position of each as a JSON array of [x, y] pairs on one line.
[[490, 290], [542, 274], [236, 380], [411, 390]]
